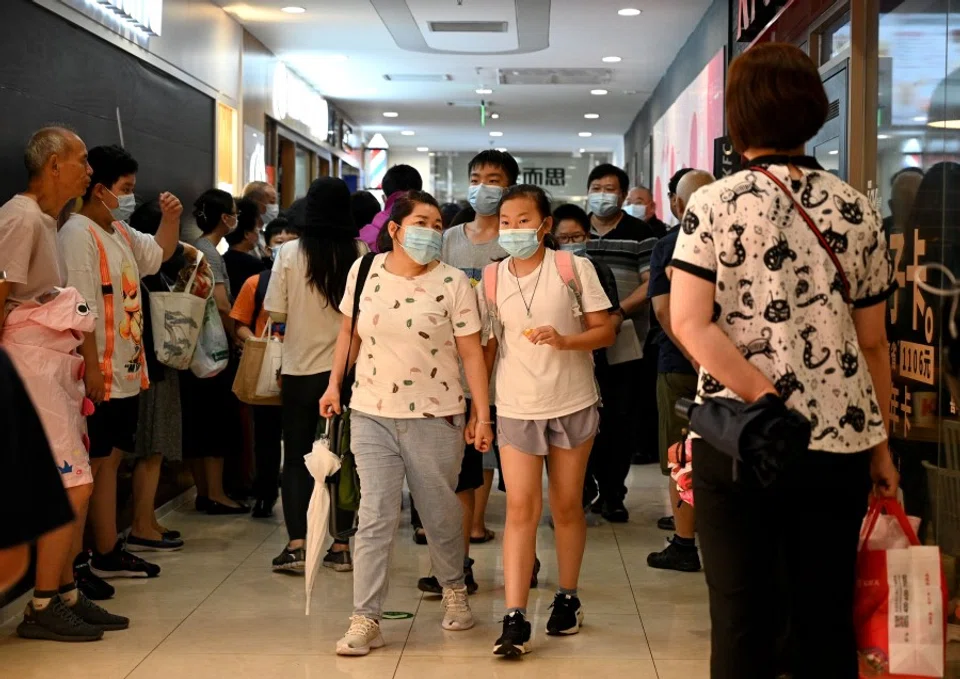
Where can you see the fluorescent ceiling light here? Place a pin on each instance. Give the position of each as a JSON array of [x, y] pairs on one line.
[[629, 12], [496, 134], [408, 133], [293, 10], [586, 134], [582, 151], [598, 93], [834, 152], [883, 136], [612, 60], [591, 116], [423, 149], [484, 90], [390, 114], [944, 124], [920, 119], [495, 116], [502, 149]]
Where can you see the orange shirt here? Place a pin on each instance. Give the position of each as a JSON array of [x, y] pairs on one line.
[[244, 304]]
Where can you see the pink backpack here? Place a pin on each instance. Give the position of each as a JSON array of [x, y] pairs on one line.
[[566, 270]]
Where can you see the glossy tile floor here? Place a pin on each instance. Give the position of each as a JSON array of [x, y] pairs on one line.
[[217, 611]]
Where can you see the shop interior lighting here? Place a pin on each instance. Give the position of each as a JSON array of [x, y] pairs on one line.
[[408, 133], [591, 116], [630, 12], [496, 134], [598, 93], [293, 10], [390, 114], [586, 134], [612, 60]]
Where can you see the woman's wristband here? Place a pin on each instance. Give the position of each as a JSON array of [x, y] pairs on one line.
[[487, 423]]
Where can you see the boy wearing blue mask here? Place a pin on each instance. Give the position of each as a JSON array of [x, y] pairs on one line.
[[105, 259]]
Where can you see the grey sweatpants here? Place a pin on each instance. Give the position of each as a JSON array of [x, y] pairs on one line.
[[429, 453]]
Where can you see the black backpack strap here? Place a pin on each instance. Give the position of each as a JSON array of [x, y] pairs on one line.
[[365, 263], [262, 284]]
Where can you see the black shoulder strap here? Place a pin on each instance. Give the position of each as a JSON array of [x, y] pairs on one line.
[[365, 263], [263, 282]]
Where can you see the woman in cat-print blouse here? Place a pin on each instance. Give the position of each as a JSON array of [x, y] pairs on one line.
[[780, 281]]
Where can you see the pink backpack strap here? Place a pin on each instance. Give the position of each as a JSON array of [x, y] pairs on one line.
[[567, 271]]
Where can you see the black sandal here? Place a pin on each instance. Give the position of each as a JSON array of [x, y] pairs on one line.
[[419, 536]]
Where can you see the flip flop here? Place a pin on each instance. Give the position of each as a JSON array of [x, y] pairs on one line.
[[487, 537]]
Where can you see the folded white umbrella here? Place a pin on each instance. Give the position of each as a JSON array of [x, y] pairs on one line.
[[321, 463]]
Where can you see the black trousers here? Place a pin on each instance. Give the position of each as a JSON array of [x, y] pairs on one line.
[[617, 438], [301, 415], [267, 434], [781, 564]]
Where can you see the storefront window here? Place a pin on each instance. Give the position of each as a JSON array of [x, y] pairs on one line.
[[835, 39], [918, 180], [227, 151]]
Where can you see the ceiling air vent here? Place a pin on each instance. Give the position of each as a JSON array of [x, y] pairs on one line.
[[467, 26], [833, 111], [554, 76], [418, 77]]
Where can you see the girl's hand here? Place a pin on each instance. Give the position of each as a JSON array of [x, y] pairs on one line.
[[548, 335], [483, 438], [469, 432], [886, 478], [330, 402]]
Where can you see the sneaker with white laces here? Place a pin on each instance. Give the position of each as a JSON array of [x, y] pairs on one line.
[[362, 637], [457, 616]]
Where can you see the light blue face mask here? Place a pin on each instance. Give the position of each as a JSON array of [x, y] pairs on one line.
[[520, 243], [485, 200], [125, 208], [636, 210], [603, 204], [421, 244], [579, 249]]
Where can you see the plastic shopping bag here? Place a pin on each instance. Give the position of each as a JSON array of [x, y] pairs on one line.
[[213, 351], [900, 604], [177, 317], [268, 381]]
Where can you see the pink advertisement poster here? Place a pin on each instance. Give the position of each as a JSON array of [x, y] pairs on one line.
[[683, 137]]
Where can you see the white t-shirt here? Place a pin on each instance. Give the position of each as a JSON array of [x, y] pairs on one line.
[[408, 362], [28, 249], [142, 256], [313, 322], [538, 382], [779, 296]]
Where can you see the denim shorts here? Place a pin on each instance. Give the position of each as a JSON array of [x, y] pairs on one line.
[[537, 436]]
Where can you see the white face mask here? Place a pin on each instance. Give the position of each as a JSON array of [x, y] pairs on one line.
[[271, 212], [126, 204], [636, 210]]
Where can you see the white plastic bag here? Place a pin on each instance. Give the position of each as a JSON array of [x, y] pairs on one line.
[[213, 350], [177, 318], [268, 382]]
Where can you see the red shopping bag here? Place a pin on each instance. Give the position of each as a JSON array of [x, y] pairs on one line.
[[900, 605]]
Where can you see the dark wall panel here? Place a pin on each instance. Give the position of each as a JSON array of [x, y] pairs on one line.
[[53, 71]]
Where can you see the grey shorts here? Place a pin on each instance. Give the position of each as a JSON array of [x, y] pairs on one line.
[[537, 436]]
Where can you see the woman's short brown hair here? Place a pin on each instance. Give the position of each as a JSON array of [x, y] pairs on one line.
[[775, 98]]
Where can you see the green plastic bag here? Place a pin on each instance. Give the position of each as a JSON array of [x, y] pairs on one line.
[[347, 480]]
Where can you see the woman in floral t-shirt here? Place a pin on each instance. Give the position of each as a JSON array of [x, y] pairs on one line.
[[418, 316]]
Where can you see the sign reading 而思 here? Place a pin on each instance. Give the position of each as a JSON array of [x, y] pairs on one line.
[[545, 176]]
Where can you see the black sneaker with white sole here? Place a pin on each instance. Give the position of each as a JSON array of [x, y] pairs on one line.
[[515, 639], [430, 585], [341, 562], [94, 588], [138, 544], [56, 622], [291, 560], [567, 616], [92, 614], [676, 557], [122, 564]]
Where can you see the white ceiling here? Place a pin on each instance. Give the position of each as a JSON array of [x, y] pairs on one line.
[[344, 48]]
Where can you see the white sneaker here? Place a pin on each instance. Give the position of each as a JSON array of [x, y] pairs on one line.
[[363, 636], [456, 610]]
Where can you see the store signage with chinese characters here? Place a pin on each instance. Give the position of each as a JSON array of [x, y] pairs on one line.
[[144, 16], [293, 98], [754, 15], [549, 177]]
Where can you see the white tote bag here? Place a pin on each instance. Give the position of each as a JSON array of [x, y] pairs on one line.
[[268, 382], [177, 318], [213, 350]]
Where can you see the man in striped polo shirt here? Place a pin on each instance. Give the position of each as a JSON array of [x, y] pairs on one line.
[[623, 243]]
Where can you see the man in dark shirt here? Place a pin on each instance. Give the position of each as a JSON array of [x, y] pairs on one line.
[[240, 259], [624, 244], [640, 204], [677, 379]]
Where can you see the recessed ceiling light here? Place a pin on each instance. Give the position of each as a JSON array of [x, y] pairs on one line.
[[484, 90], [920, 119], [502, 149], [390, 114], [431, 154], [293, 10], [834, 152], [586, 134], [408, 133], [591, 116], [612, 60], [598, 93], [495, 116], [496, 134], [883, 136], [582, 151], [423, 149], [630, 12]]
